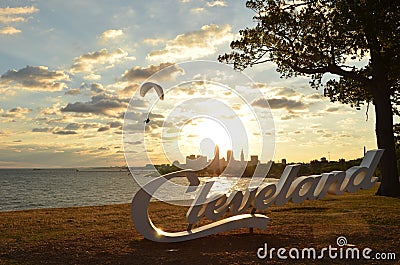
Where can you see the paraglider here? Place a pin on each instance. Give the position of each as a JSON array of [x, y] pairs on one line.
[[146, 87], [149, 85]]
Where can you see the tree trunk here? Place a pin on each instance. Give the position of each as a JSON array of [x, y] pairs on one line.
[[390, 185]]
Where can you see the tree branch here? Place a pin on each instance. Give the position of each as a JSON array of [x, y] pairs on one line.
[[298, 5], [260, 62], [333, 69]]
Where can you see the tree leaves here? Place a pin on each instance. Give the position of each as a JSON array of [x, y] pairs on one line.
[[312, 38]]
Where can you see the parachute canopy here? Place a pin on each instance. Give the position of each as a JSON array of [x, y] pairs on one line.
[[148, 85]]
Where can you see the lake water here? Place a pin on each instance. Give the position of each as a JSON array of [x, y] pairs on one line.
[[22, 189], [52, 188]]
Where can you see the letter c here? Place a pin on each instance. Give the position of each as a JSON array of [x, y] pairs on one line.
[[143, 224]]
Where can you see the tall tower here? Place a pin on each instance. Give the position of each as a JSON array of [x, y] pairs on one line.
[[229, 156], [215, 163], [242, 156], [216, 152], [254, 160]]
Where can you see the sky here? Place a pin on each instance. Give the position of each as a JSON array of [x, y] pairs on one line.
[[70, 69]]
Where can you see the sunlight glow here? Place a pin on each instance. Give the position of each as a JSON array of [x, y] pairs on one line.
[[192, 135]]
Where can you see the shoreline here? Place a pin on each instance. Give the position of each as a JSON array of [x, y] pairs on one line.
[[60, 208], [105, 234]]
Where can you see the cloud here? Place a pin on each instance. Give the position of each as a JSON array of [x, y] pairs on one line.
[[115, 124], [279, 103], [42, 129], [5, 133], [128, 91], [135, 116], [20, 110], [87, 63], [53, 110], [17, 112], [73, 92], [10, 11], [65, 132], [153, 41], [194, 45], [197, 10], [286, 92], [315, 96], [139, 74], [134, 143], [9, 31], [14, 15], [9, 19], [216, 3], [103, 129], [103, 148], [290, 116], [111, 34], [134, 127], [105, 104], [80, 126], [92, 76], [37, 78], [289, 104], [97, 88], [257, 85], [332, 109], [137, 104]]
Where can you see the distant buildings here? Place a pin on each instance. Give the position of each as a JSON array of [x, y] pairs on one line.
[[215, 165], [218, 165], [254, 160], [196, 163], [254, 167]]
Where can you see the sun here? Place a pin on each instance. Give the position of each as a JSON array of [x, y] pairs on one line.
[[201, 134]]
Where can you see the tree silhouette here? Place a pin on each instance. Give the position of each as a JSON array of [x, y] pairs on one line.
[[314, 38]]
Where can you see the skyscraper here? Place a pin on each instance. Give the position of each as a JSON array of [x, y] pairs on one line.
[[215, 163], [242, 156], [229, 156], [253, 160]]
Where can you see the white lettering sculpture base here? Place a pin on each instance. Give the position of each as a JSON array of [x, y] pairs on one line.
[[289, 188]]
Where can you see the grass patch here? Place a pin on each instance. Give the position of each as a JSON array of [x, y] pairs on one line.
[[105, 234]]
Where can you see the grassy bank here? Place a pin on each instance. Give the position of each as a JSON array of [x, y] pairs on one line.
[[105, 235]]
